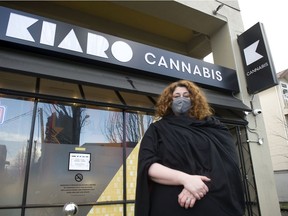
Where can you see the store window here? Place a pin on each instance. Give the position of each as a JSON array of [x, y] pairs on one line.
[[43, 137], [137, 124], [10, 212], [72, 142], [63, 132], [15, 130], [284, 90]]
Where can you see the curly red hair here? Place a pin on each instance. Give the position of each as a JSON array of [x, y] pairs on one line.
[[200, 108]]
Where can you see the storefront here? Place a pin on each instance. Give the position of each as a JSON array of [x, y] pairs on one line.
[[72, 114]]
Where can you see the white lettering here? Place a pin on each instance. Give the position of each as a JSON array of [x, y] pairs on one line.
[[48, 33], [206, 72], [197, 71], [218, 76], [178, 65], [162, 62], [255, 70], [186, 67], [97, 45], [70, 42], [174, 65], [147, 59], [212, 74], [18, 27], [122, 51]]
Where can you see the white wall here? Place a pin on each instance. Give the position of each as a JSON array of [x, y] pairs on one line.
[[281, 179], [276, 128]]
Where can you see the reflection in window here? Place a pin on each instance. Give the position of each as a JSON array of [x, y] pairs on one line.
[[116, 210], [14, 139], [78, 125], [284, 87], [10, 212], [61, 129], [52, 211], [137, 124], [100, 126], [130, 209], [62, 123]]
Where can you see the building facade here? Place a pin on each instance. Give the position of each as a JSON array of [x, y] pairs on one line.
[[79, 81], [274, 104]]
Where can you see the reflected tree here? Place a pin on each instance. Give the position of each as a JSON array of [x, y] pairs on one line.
[[64, 123], [135, 127]]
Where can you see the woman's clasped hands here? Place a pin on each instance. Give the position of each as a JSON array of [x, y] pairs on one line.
[[194, 189]]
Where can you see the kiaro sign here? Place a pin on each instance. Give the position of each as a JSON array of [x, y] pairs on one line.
[[251, 54], [45, 34], [19, 27], [257, 61]]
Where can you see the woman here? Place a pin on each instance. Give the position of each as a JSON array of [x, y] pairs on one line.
[[187, 160]]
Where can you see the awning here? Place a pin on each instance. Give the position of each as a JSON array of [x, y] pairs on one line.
[[225, 101]]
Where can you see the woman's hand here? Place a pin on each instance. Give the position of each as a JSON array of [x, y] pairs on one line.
[[186, 199], [196, 186], [167, 176]]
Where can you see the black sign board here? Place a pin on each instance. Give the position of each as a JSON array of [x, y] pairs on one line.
[[49, 35], [258, 65]]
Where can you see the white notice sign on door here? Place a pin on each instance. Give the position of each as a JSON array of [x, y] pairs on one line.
[[79, 161]]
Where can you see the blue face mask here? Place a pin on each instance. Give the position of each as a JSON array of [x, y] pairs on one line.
[[181, 105]]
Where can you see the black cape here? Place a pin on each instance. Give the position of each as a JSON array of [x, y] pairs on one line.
[[196, 147]]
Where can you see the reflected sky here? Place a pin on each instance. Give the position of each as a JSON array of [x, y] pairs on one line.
[[16, 126]]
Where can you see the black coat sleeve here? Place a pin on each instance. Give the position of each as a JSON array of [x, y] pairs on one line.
[[147, 156]]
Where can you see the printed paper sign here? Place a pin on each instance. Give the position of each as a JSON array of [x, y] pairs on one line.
[[79, 161]]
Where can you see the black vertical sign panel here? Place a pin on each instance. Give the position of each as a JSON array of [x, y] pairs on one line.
[[257, 61]]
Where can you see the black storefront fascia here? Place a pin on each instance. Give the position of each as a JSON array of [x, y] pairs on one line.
[[44, 66], [130, 72], [54, 38]]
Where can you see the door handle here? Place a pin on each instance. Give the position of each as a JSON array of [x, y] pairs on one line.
[[70, 209]]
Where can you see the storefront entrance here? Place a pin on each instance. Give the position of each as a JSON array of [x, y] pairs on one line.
[[65, 142], [57, 150]]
